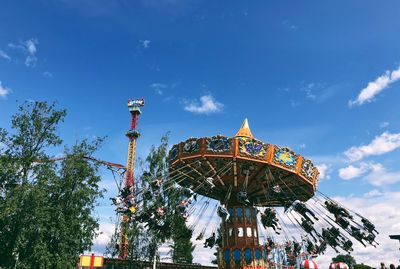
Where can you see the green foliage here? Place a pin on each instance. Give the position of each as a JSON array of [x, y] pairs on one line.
[[348, 259], [156, 167], [182, 247], [145, 241], [362, 266], [46, 208]]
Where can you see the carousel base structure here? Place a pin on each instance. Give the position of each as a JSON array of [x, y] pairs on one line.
[[240, 243]]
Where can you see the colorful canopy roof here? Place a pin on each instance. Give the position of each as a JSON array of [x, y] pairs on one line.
[[270, 174]]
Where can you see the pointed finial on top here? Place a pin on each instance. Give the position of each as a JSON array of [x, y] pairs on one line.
[[244, 131]]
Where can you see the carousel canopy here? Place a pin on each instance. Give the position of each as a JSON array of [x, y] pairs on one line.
[[271, 175]]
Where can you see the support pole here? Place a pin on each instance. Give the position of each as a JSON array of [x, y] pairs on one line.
[[92, 261]]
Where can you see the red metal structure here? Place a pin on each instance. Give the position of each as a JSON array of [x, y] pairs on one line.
[[133, 133], [105, 163]]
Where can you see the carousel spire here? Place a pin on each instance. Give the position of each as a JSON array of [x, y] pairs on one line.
[[245, 131]]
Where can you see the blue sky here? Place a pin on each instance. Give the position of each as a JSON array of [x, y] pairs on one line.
[[318, 76]]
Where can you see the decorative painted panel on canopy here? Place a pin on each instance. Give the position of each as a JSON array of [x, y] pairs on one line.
[[308, 169], [253, 148], [285, 157], [218, 144], [190, 146]]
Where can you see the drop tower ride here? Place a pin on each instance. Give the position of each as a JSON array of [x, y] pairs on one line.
[[132, 134]]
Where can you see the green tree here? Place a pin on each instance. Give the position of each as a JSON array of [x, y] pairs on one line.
[[348, 259], [46, 208], [156, 167], [144, 240], [182, 247]]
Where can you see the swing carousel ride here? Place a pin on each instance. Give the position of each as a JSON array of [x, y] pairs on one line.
[[260, 183], [255, 191]]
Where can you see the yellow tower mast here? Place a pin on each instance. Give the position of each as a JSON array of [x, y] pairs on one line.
[[133, 133]]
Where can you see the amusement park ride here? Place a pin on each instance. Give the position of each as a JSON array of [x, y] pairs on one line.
[[133, 134], [251, 183], [261, 191], [255, 182]]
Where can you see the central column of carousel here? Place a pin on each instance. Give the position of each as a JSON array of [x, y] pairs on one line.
[[240, 243]]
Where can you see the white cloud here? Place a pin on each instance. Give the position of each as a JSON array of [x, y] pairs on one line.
[[384, 124], [145, 43], [374, 87], [374, 173], [4, 55], [352, 171], [207, 105], [324, 171], [47, 74], [309, 91], [384, 143], [379, 176], [106, 232], [158, 87], [29, 48], [4, 91], [373, 193]]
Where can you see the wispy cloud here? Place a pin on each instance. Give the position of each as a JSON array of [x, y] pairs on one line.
[[293, 103], [374, 87], [4, 55], [310, 92], [47, 74], [158, 87], [318, 92], [145, 43], [384, 143], [302, 146], [288, 25], [373, 193], [4, 91], [29, 48], [206, 105], [384, 124], [380, 176]]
